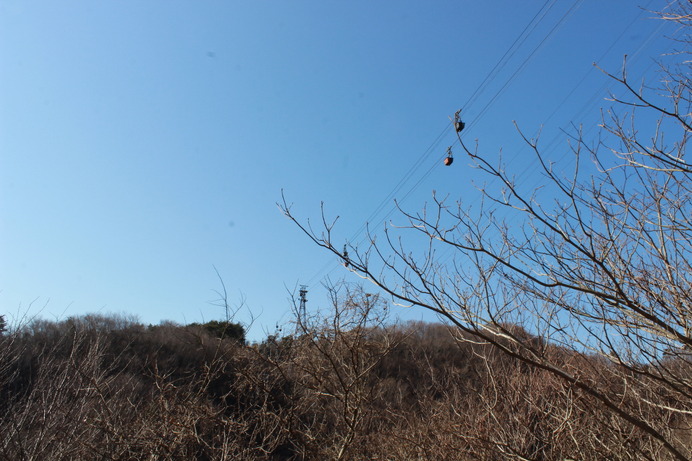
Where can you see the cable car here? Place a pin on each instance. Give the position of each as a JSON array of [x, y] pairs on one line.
[[449, 159], [458, 124]]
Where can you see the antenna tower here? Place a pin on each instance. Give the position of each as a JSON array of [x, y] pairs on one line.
[[303, 301]]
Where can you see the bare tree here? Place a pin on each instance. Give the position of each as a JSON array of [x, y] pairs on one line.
[[331, 357], [603, 269]]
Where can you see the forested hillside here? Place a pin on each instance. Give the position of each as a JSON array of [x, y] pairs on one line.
[[350, 385]]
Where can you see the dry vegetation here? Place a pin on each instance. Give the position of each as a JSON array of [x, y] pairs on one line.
[[346, 384]]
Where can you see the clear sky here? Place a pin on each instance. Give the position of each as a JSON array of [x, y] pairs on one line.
[[143, 143]]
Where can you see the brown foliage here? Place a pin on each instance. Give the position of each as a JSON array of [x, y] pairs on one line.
[[346, 385]]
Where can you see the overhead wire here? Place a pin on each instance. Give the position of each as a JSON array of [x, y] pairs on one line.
[[588, 105], [521, 38], [521, 67], [514, 75], [330, 265], [386, 201], [538, 17]]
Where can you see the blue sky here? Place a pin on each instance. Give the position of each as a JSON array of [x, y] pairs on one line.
[[143, 143]]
